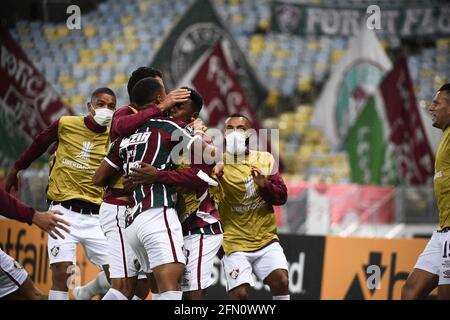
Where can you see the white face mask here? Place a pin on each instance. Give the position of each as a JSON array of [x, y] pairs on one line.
[[235, 142], [103, 116]]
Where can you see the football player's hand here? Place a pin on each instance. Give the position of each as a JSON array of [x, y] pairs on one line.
[[128, 184], [260, 179], [49, 222], [146, 174], [218, 169], [174, 97], [199, 126], [12, 180]]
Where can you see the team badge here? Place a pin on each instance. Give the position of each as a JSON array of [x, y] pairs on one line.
[[288, 18], [234, 274], [54, 251], [137, 265]]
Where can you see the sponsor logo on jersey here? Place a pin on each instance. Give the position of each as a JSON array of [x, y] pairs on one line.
[[86, 150], [137, 138], [250, 190]]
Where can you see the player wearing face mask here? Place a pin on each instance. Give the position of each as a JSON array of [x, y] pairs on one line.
[[82, 143], [250, 188]]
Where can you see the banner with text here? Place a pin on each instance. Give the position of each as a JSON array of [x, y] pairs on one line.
[[28, 104], [412, 21]]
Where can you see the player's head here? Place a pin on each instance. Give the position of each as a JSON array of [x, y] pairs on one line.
[[237, 133], [189, 110], [148, 91], [238, 121], [440, 107], [102, 105], [141, 73]]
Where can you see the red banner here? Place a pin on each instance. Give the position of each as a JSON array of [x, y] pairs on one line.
[[412, 150], [219, 86], [28, 104]]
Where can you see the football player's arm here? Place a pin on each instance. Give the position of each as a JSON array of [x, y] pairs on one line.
[[103, 174], [271, 188], [193, 177], [48, 221], [109, 166], [12, 208], [126, 125], [40, 144]]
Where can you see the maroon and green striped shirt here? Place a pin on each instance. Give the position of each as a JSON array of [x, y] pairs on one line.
[[152, 143]]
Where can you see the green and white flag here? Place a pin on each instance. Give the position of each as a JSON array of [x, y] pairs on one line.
[[369, 152], [352, 82]]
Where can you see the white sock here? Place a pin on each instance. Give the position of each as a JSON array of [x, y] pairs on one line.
[[155, 296], [114, 294], [58, 295], [135, 297], [98, 286], [170, 295], [286, 297]]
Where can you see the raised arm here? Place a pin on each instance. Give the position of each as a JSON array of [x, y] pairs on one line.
[[126, 125], [39, 145]]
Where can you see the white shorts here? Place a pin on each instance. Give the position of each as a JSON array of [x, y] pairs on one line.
[[84, 229], [12, 275], [201, 249], [238, 266], [432, 258], [156, 237], [122, 260]]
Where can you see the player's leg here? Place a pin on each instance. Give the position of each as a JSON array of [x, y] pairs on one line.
[[419, 284], [201, 251], [425, 275], [278, 282], [96, 249], [131, 235], [167, 277], [162, 238], [153, 286], [142, 287], [60, 276], [444, 274], [98, 286], [15, 282], [62, 255], [271, 266], [238, 273], [121, 258]]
